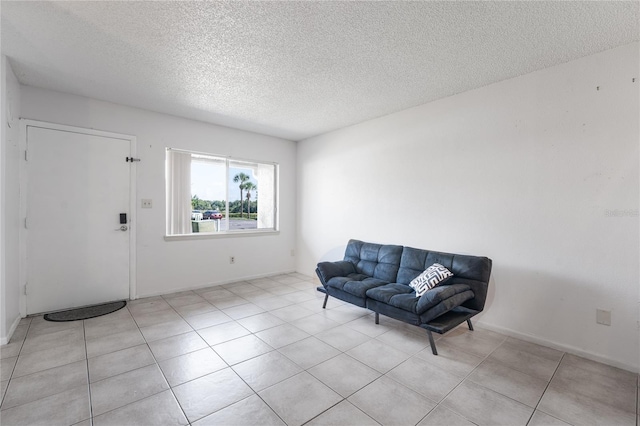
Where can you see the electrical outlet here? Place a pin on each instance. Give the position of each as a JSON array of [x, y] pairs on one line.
[[293, 253], [232, 259], [603, 317], [146, 203]]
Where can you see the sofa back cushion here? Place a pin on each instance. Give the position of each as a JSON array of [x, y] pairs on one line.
[[470, 270], [376, 260]]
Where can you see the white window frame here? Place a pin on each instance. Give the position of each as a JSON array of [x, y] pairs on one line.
[[227, 233]]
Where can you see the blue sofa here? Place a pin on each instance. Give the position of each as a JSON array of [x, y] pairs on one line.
[[377, 277]]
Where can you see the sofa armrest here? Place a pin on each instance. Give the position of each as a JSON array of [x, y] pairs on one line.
[[328, 270], [437, 294]]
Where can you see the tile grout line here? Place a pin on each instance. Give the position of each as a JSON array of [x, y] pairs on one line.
[[256, 393], [37, 372], [139, 368], [341, 352], [86, 355], [329, 408], [465, 378], [311, 374], [359, 389], [16, 364], [410, 356], [344, 399], [545, 390], [210, 347], [161, 372], [228, 365]]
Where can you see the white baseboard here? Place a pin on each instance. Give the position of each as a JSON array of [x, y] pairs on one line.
[[213, 284], [5, 339], [559, 346]]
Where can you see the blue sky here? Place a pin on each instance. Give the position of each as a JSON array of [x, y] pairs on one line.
[[207, 182]]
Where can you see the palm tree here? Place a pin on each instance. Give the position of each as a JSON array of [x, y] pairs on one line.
[[242, 178], [249, 186]]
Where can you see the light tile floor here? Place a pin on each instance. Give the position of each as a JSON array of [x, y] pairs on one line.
[[264, 352]]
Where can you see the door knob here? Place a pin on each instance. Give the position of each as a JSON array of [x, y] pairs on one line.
[[122, 228]]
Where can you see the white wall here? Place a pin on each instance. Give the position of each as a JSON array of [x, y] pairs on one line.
[[167, 266], [9, 210], [523, 171]]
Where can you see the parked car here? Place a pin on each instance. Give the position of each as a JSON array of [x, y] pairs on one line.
[[212, 214], [196, 215]]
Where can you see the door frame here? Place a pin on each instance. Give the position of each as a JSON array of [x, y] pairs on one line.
[[24, 179]]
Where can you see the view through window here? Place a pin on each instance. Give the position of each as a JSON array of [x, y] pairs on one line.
[[214, 194]]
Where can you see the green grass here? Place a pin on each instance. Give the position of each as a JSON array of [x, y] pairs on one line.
[[253, 216]]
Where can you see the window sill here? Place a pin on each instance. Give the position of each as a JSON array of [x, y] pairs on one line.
[[220, 234]]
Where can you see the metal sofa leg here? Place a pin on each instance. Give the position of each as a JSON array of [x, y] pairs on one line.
[[326, 297], [377, 318], [469, 324], [432, 343]]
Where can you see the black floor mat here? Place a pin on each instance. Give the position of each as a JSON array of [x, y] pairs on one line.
[[86, 312]]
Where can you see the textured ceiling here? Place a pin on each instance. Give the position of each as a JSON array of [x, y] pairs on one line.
[[297, 69]]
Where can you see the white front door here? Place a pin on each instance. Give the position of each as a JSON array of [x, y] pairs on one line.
[[78, 184]]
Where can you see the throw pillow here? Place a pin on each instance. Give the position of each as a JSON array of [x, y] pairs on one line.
[[434, 275]]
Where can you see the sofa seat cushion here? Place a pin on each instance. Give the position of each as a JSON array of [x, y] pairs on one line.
[[404, 297], [399, 295], [356, 284], [437, 294]]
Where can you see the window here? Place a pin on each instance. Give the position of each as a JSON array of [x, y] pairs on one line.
[[219, 195]]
